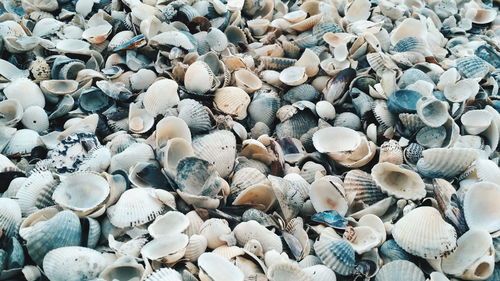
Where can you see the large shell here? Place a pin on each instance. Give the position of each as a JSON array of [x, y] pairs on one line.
[[10, 217], [445, 162], [424, 233], [216, 268], [214, 230], [26, 92], [170, 223], [168, 248], [363, 186], [395, 269], [138, 206], [36, 192], [337, 254], [218, 148], [77, 262], [479, 208], [327, 193], [233, 101], [398, 182]]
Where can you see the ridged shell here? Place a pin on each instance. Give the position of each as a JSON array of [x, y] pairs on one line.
[[233, 101], [218, 148], [263, 107], [327, 193], [445, 162], [398, 182], [36, 192], [10, 217], [297, 125], [472, 67], [138, 206], [337, 254], [23, 141], [195, 223], [393, 271], [390, 251], [195, 116], [77, 262], [245, 178], [164, 274], [480, 209], [409, 44], [287, 271], [196, 246], [301, 92], [199, 78], [362, 184], [320, 272], [160, 96], [424, 233]]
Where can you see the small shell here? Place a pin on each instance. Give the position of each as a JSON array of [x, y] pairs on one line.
[[213, 230], [31, 93], [390, 251], [337, 254], [327, 193], [320, 272], [398, 182], [59, 87], [139, 119], [23, 141], [78, 262], [216, 268], [462, 90], [197, 245], [160, 96], [12, 112], [395, 269], [247, 80], [424, 233], [164, 274], [479, 208], [233, 101], [325, 110], [168, 248], [258, 27], [293, 75], [170, 223], [391, 151], [301, 92]]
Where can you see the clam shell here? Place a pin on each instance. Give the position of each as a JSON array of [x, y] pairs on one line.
[[58, 87], [245, 178], [337, 254], [246, 231], [476, 121], [301, 92], [138, 206], [233, 101], [164, 274], [216, 268], [171, 127], [398, 182], [31, 93], [199, 78], [363, 186], [293, 75], [124, 267], [432, 112], [218, 148], [213, 230], [395, 269], [10, 217], [175, 150], [479, 208], [391, 151], [170, 223], [195, 116], [431, 137], [365, 239], [160, 96], [78, 262], [12, 112], [168, 248], [472, 67], [289, 195], [327, 193], [263, 107], [247, 80], [424, 233], [322, 140], [285, 271], [195, 223], [445, 163], [136, 152], [217, 40], [462, 90], [390, 251], [196, 247]]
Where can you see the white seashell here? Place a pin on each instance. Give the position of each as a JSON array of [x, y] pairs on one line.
[[432, 112], [10, 217], [85, 125], [293, 75], [409, 28], [36, 192], [327, 193], [437, 276], [258, 26], [398, 182], [218, 148], [216, 268], [325, 110], [345, 140], [134, 153], [73, 46], [164, 274], [195, 115], [171, 127], [287, 271], [23, 141], [395, 269], [337, 254], [246, 231], [310, 61], [76, 261], [168, 224], [474, 258], [12, 112], [479, 208], [197, 245], [358, 10], [82, 192], [26, 92], [376, 224], [462, 90], [160, 96], [320, 272], [124, 267], [233, 101], [167, 249], [175, 38], [217, 40], [258, 194], [476, 121], [424, 233], [213, 230], [199, 78], [364, 240], [445, 162], [173, 152], [138, 206], [247, 80], [139, 119], [487, 170]]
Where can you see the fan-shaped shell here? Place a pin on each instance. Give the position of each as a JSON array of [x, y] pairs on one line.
[[293, 75], [77, 262], [160, 96], [216, 268], [395, 269], [233, 101], [36, 192], [197, 245], [199, 78], [479, 208], [363, 186], [22, 141], [398, 182], [424, 233], [168, 248], [445, 162], [195, 115], [164, 274], [213, 230], [337, 254], [320, 272], [10, 217], [218, 148]]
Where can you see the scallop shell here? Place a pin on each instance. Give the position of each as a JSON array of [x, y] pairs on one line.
[[398, 182], [424, 233], [246, 231], [82, 192], [245, 178], [171, 127], [195, 223], [160, 96], [263, 107], [472, 67], [78, 262], [218, 148], [199, 78], [216, 268], [197, 245], [138, 206], [363, 186], [12, 112], [10, 217], [36, 192], [233, 101], [337, 254], [167, 249], [395, 269], [301, 92], [164, 274], [289, 195], [213, 230], [327, 193], [479, 208], [285, 271], [195, 116], [445, 162]]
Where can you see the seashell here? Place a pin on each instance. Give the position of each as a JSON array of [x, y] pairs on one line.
[[392, 152], [487, 170], [138, 206], [139, 119], [171, 127], [61, 230], [213, 230], [289, 196], [78, 261], [123, 268], [22, 141], [322, 140], [164, 273], [263, 107], [411, 233], [476, 121], [293, 75], [58, 87], [247, 80], [10, 218], [307, 23], [160, 96], [383, 115], [348, 120], [365, 238], [218, 148], [393, 271], [473, 259], [411, 76], [337, 254], [195, 115], [338, 85], [93, 100], [170, 223], [73, 46], [363, 186], [285, 271], [229, 252], [432, 112], [410, 44], [390, 251], [479, 211], [167, 248], [32, 95], [445, 163], [472, 67], [216, 39], [12, 112], [258, 27], [175, 150], [302, 92], [310, 61], [140, 152], [311, 170], [196, 247], [327, 193], [256, 194], [82, 192], [275, 63], [403, 101], [461, 91], [248, 230], [233, 101], [195, 223], [216, 268], [431, 137], [320, 272], [199, 78]]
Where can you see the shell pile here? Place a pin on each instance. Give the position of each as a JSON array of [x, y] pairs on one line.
[[249, 140]]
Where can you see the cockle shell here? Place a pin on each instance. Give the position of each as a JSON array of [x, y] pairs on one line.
[[36, 192], [199, 78], [395, 269], [479, 210], [216, 268], [160, 96], [173, 152], [398, 182], [10, 217], [432, 112], [218, 148], [163, 274], [247, 80], [170, 223], [213, 230], [476, 121], [363, 186], [337, 254], [442, 162], [424, 233], [78, 262], [195, 115], [233, 101], [171, 127], [196, 247]]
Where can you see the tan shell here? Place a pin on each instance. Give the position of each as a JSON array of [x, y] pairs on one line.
[[327, 193], [213, 230], [233, 101], [197, 245], [12, 112], [139, 119], [287, 271], [247, 80], [480, 209], [59, 87], [398, 182]]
